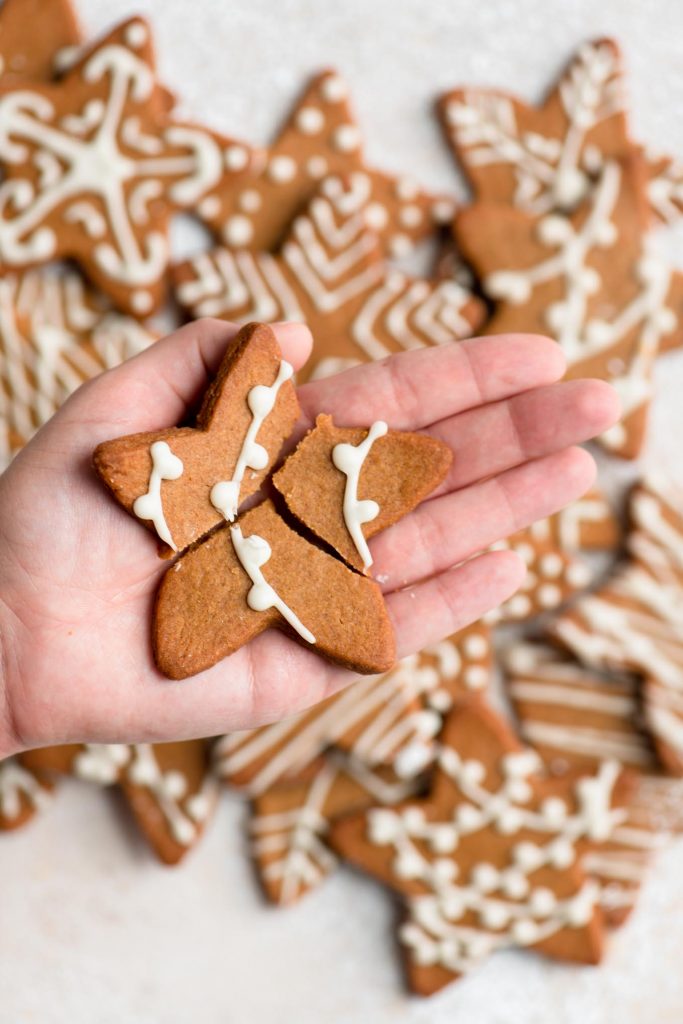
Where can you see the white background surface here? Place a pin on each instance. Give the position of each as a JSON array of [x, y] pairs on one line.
[[92, 930]]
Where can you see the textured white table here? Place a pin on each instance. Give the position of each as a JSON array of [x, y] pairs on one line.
[[92, 930]]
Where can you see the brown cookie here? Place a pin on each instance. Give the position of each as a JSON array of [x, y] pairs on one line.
[[587, 279], [352, 467], [32, 34], [169, 786], [289, 823], [258, 574], [542, 158], [262, 190], [329, 272], [633, 622], [182, 481], [23, 793], [105, 127], [55, 333], [492, 858]]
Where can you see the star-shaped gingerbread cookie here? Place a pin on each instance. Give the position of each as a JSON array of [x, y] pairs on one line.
[[330, 273], [259, 572], [263, 189], [635, 621], [545, 158], [492, 857], [588, 279], [94, 166], [169, 786]]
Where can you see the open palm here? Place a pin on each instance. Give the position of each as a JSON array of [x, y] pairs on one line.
[[78, 576]]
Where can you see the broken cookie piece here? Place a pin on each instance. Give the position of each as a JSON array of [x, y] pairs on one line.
[[365, 480], [182, 481]]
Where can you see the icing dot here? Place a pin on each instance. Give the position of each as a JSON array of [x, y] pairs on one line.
[[475, 646], [475, 677], [598, 333], [407, 188], [549, 596], [333, 89], [141, 301], [525, 931], [414, 819], [542, 901], [444, 870], [578, 575], [519, 790], [518, 606], [506, 284], [281, 169], [383, 826], [400, 245], [527, 856], [410, 216], [551, 566], [408, 864], [443, 211], [236, 158], [526, 553], [473, 771], [346, 138], [606, 234], [238, 230], [509, 820], [561, 853], [317, 167], [554, 810], [210, 207], [468, 818], [443, 839], [554, 230], [376, 216], [310, 120], [175, 784], [569, 186], [136, 34], [250, 200], [514, 883], [590, 280], [494, 915], [453, 905], [485, 877]]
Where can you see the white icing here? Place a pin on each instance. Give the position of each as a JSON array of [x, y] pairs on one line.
[[253, 553], [165, 466], [349, 460], [261, 401], [549, 170], [508, 906], [310, 120], [18, 787], [89, 152]]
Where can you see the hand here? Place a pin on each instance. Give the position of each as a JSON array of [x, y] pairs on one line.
[[78, 575]]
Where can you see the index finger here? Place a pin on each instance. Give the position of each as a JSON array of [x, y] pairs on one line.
[[412, 390]]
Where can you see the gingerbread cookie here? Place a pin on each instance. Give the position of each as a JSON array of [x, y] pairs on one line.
[[634, 621], [168, 786], [289, 823], [329, 272], [349, 466], [32, 34], [262, 190], [541, 159], [587, 279], [182, 481], [23, 793], [491, 858], [260, 574], [378, 721], [575, 717], [94, 166], [55, 333]]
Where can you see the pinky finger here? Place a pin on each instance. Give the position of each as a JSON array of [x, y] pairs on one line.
[[430, 611]]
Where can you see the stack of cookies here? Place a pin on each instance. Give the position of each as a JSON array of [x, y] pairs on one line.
[[490, 836]]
